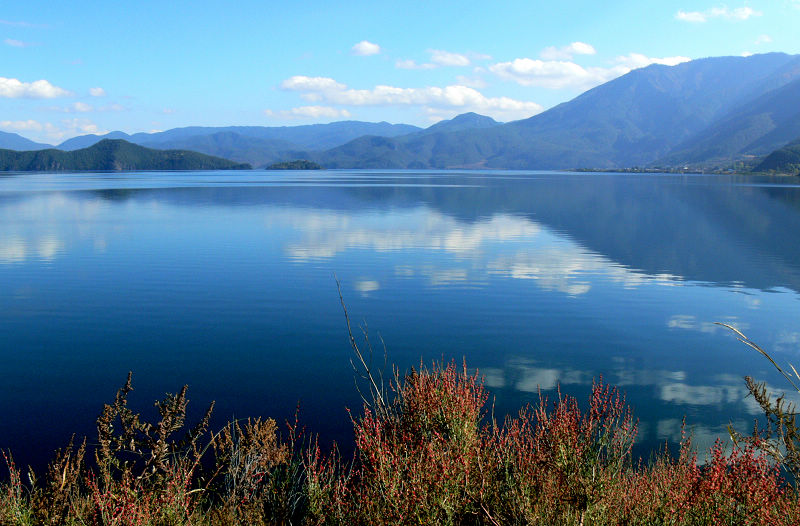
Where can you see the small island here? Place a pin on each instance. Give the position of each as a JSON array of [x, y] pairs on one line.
[[299, 164]]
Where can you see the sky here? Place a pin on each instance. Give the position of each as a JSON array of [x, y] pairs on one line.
[[72, 68]]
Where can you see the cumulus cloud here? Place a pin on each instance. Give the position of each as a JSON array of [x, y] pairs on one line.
[[698, 17], [445, 58], [310, 112], [458, 97], [441, 58], [637, 60], [365, 48], [97, 92], [72, 127], [40, 89], [412, 64], [28, 125], [303, 83], [47, 131], [559, 74], [567, 52]]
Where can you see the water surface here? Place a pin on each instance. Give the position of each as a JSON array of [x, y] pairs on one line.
[[224, 281]]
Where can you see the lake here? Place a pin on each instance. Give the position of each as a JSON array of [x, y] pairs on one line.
[[225, 281]]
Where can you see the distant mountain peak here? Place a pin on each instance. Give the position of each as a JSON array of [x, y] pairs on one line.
[[14, 141], [464, 121]]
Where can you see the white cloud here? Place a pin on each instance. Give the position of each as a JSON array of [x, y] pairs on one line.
[[15, 43], [637, 60], [458, 97], [445, 58], [547, 74], [365, 48], [46, 131], [310, 112], [303, 83], [566, 52], [75, 107], [559, 74], [72, 127], [441, 58], [698, 17], [97, 92], [471, 82], [411, 64], [29, 125], [40, 89], [763, 39]]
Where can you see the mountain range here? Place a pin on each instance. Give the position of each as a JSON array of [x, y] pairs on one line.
[[704, 113]]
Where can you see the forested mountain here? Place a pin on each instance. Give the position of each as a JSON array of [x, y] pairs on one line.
[[784, 160], [111, 154]]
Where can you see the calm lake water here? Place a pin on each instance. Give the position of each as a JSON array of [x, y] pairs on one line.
[[225, 281]]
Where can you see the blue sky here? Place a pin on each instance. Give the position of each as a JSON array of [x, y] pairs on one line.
[[70, 68]]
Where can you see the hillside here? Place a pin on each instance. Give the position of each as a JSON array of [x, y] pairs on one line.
[[785, 160], [635, 119], [755, 130], [116, 155]]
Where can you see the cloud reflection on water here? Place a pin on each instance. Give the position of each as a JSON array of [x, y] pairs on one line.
[[19, 250], [502, 245], [668, 386]]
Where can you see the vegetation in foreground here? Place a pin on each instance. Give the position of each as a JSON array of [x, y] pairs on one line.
[[426, 452]]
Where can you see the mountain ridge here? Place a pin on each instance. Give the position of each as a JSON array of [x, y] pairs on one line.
[[635, 119], [113, 155]]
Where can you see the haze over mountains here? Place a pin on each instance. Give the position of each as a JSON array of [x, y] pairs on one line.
[[707, 112]]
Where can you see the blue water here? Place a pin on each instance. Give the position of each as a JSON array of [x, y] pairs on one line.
[[225, 281]]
